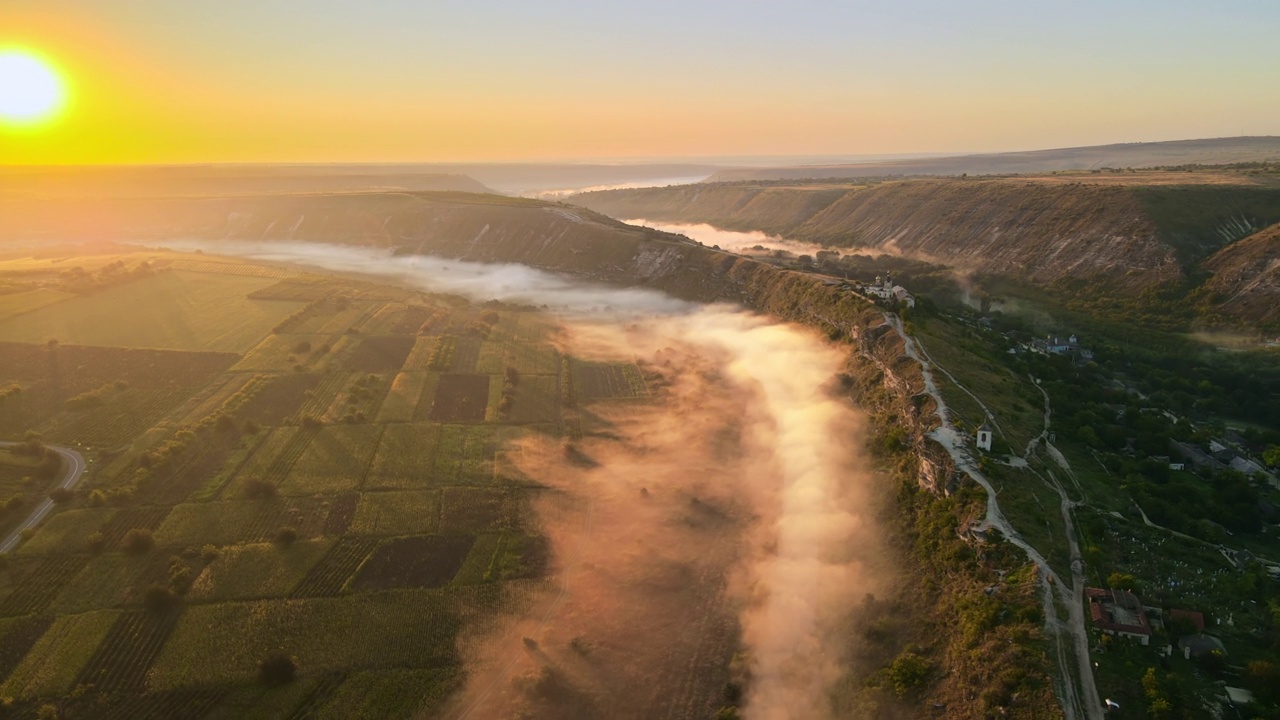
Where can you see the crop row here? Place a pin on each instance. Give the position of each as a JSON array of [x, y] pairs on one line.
[[37, 588], [147, 517], [128, 650], [329, 575], [171, 705], [319, 696], [342, 510]]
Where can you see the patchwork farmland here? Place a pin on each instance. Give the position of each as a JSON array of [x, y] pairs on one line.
[[278, 462]]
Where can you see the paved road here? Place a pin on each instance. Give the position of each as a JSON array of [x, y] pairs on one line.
[[75, 468]]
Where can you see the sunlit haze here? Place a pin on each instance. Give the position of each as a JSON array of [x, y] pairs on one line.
[[30, 91], [243, 81]]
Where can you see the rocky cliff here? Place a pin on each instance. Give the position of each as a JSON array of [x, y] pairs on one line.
[[1032, 229], [1246, 278]]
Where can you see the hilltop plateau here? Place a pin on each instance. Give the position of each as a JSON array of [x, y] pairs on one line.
[[1211, 151]]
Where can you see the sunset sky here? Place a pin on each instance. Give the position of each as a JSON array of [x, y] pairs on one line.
[[377, 80]]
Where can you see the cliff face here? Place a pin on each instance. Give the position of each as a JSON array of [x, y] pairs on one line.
[[1246, 278], [1034, 230]]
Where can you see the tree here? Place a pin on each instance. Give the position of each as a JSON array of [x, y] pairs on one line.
[[907, 673], [1121, 581], [138, 541], [286, 536], [277, 668], [1272, 455], [159, 598], [259, 489], [1263, 678]]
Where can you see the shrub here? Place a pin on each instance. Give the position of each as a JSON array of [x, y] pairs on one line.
[[62, 495], [159, 598], [259, 489], [286, 536], [138, 541], [277, 668], [907, 673], [95, 542]]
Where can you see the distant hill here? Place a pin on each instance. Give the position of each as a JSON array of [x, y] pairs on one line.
[[1215, 151], [121, 181], [1126, 232]]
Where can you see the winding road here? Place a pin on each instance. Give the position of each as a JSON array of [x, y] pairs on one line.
[[75, 467]]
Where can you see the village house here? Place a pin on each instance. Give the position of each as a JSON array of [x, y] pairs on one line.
[[1118, 612]]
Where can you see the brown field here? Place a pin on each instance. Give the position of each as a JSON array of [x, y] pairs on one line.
[[380, 354], [461, 399], [414, 562]]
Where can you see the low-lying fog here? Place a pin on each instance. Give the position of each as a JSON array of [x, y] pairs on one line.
[[563, 192], [732, 240], [720, 533]]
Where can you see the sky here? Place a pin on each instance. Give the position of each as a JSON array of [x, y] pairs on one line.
[[158, 81]]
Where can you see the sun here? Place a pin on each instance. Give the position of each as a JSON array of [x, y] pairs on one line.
[[30, 90]]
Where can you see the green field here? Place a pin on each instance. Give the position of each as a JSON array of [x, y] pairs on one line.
[[408, 512], [405, 458], [52, 665], [173, 310], [335, 461], [222, 643]]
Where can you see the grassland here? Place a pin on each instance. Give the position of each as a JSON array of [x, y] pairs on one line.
[[331, 486]]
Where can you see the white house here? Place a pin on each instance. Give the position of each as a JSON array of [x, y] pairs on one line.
[[985, 436]]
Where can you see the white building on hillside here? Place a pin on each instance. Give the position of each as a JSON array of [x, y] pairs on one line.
[[985, 436]]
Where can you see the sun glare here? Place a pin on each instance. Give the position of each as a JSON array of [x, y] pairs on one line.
[[30, 90]]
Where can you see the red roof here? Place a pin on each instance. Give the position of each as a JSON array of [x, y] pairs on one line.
[[1101, 603], [1196, 618]]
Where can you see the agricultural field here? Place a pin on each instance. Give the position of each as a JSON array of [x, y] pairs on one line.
[[277, 462], [170, 310], [461, 399], [97, 395], [603, 381], [17, 303]]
